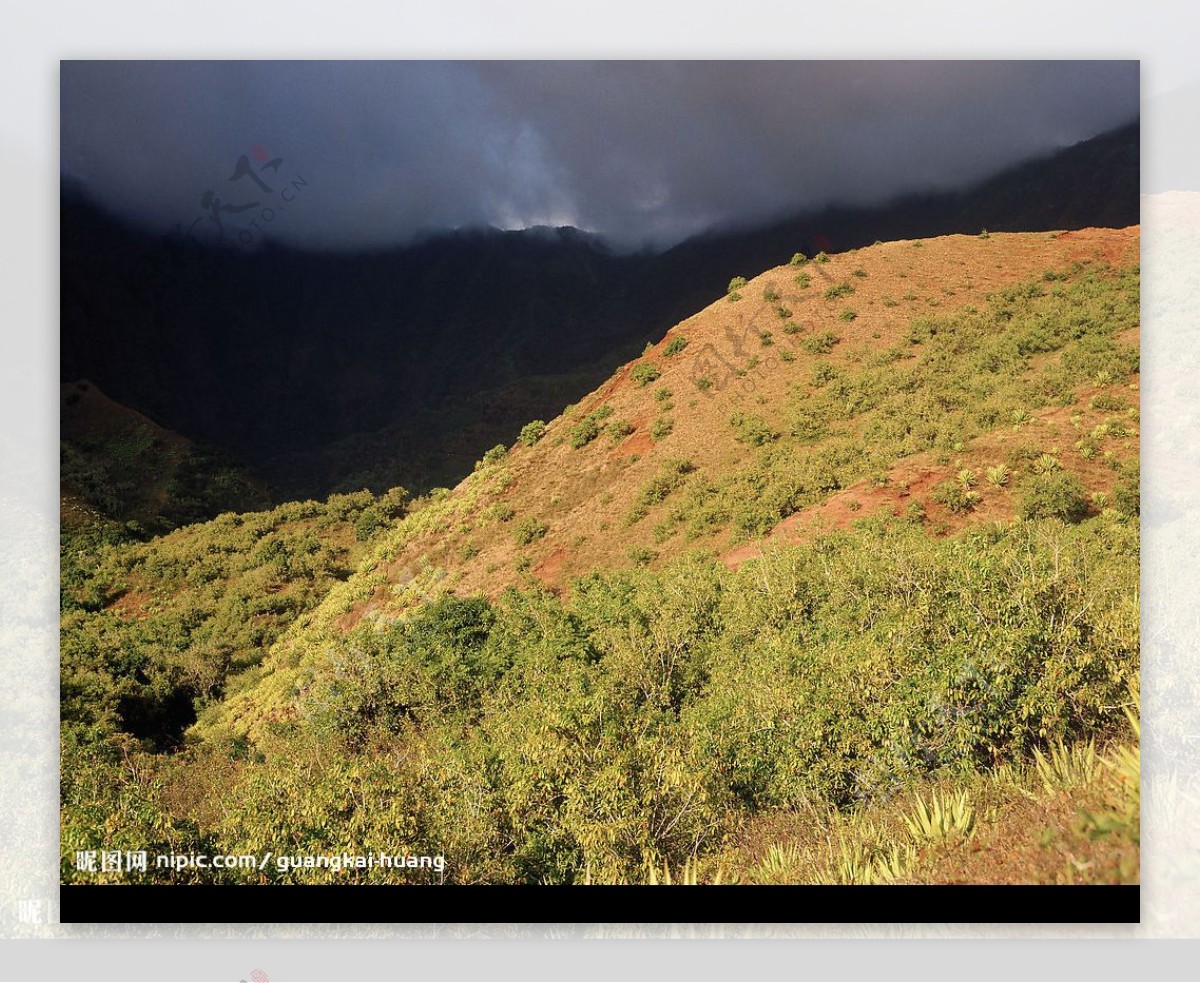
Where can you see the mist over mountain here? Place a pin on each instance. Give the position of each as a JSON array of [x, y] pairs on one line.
[[400, 366], [639, 151]]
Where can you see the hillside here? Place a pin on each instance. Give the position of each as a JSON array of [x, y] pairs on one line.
[[799, 381], [120, 468], [858, 538]]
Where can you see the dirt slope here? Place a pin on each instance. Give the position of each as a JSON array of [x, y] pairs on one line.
[[582, 495]]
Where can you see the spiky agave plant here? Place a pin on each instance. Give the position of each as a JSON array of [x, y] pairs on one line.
[[941, 818], [1066, 767], [689, 874], [867, 860], [780, 864], [998, 475]]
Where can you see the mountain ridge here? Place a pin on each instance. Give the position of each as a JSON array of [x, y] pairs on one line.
[[335, 371]]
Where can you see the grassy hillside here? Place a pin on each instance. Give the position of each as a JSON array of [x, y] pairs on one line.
[[838, 581]]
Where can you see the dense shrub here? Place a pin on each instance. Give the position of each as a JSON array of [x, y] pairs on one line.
[[749, 428], [1053, 495], [584, 432], [495, 455], [670, 476], [532, 432], [644, 373], [820, 344], [528, 530], [1127, 491], [619, 430], [955, 497], [652, 712]]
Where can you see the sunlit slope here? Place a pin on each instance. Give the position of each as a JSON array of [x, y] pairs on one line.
[[942, 383]]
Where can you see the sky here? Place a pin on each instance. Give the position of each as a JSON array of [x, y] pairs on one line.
[[357, 154]]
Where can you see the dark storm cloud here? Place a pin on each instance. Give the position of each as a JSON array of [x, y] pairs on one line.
[[638, 151]]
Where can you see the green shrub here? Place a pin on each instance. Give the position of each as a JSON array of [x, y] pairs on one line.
[[501, 512], [670, 476], [704, 383], [803, 280], [798, 259], [532, 432], [735, 285], [675, 346], [848, 315], [839, 290], [860, 273], [662, 427], [663, 394], [998, 475], [584, 432], [821, 257], [644, 373], [640, 556], [619, 429], [749, 428], [1108, 403], [954, 497], [820, 344], [528, 530], [1053, 495], [494, 456], [770, 294]]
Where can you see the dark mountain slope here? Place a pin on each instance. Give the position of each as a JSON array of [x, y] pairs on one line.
[[327, 371]]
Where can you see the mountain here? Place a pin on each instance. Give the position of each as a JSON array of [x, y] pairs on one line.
[[398, 367], [806, 400], [837, 582]]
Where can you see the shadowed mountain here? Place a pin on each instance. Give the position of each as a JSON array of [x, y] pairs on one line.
[[120, 467], [399, 367]]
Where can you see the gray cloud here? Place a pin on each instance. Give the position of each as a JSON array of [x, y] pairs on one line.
[[637, 151]]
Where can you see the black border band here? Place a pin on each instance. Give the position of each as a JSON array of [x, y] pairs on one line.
[[875, 904]]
